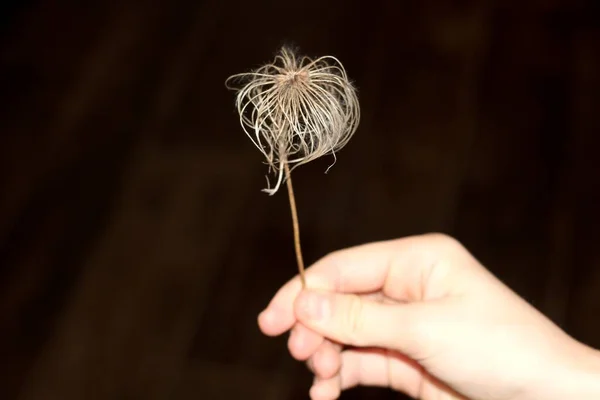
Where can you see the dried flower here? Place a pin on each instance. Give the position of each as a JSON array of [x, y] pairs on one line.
[[296, 110]]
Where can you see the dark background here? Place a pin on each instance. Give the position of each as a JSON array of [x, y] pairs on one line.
[[136, 248]]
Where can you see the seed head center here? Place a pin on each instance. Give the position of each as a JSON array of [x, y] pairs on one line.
[[290, 78]]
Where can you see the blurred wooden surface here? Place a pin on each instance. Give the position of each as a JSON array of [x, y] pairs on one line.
[[136, 248]]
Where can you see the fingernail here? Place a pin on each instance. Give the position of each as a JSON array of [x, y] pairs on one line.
[[315, 306]]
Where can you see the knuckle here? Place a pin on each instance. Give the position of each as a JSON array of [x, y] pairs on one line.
[[332, 264], [332, 260], [355, 320], [442, 238], [445, 241]]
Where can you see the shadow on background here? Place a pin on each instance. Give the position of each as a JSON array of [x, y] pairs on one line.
[[136, 248]]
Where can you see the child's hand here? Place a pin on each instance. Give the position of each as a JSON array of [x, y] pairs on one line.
[[423, 317]]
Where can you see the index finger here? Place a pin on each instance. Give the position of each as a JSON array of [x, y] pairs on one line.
[[394, 266]]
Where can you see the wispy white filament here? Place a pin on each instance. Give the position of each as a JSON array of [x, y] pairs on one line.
[[296, 110]]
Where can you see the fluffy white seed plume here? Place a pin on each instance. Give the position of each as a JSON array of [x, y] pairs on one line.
[[296, 110]]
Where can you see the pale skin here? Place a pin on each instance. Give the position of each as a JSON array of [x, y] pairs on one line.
[[422, 316]]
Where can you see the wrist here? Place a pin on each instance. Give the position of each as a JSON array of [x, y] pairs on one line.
[[576, 376]]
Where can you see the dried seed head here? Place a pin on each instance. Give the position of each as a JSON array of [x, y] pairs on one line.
[[296, 110]]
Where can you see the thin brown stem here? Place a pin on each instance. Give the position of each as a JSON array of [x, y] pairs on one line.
[[299, 259]]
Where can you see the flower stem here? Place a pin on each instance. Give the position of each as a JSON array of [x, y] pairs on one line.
[[288, 178]]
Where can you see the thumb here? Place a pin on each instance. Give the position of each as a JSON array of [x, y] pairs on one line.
[[360, 322]]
